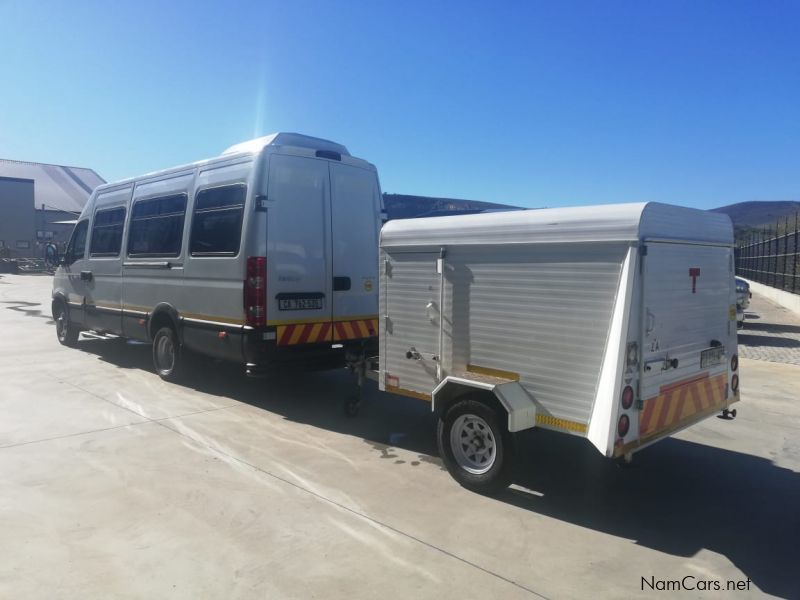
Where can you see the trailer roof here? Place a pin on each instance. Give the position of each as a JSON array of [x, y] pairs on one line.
[[601, 223]]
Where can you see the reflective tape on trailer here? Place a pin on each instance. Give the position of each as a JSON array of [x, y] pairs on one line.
[[682, 402]]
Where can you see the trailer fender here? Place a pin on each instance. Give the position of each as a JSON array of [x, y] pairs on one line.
[[517, 403]]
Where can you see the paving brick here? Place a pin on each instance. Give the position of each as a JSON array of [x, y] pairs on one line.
[[771, 332]]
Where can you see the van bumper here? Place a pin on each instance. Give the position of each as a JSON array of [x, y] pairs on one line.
[[262, 355]]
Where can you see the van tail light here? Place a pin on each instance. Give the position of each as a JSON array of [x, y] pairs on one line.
[[255, 291], [734, 362]]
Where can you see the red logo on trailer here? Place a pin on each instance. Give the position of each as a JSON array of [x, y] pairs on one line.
[[694, 273]]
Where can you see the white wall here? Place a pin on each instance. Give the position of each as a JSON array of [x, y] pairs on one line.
[[785, 299]]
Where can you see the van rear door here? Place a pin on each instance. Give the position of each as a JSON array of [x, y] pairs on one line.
[[355, 221], [689, 334], [299, 283]]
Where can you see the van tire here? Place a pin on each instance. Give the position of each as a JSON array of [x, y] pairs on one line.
[[484, 467], [167, 359], [66, 331]]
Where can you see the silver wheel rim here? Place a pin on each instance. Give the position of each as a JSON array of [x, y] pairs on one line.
[[473, 444], [165, 353]]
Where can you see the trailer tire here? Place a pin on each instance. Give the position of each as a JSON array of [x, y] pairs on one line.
[[167, 355], [476, 449], [66, 331]]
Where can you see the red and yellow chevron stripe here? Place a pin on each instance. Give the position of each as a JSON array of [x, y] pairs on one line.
[[355, 330], [680, 402], [314, 333], [304, 333]]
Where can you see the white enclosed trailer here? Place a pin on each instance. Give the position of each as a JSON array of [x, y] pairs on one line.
[[615, 323]]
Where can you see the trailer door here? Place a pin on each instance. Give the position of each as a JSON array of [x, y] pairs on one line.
[[410, 347], [688, 334]]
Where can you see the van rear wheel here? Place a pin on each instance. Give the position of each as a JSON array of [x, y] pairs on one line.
[[476, 449], [167, 354], [67, 332]]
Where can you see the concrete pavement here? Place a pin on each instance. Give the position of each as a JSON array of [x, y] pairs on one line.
[[771, 332], [115, 483]]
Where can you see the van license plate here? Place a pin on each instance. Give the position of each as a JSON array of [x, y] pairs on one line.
[[300, 304], [712, 356]]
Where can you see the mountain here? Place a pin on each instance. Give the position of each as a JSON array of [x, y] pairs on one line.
[[752, 216], [404, 206]]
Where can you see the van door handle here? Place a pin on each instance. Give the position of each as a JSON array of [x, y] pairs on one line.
[[341, 284], [86, 275]]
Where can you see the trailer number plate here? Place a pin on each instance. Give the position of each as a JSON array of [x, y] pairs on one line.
[[300, 304], [712, 356]]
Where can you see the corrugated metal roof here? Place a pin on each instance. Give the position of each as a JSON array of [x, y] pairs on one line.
[[58, 187]]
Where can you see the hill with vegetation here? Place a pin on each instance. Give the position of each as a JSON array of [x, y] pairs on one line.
[[404, 206], [754, 216]]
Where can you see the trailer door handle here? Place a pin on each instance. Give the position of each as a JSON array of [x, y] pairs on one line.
[[86, 275], [341, 284], [651, 323]]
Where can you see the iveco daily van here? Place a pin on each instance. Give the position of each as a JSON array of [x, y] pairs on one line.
[[263, 254]]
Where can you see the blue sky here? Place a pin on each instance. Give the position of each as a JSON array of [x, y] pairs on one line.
[[529, 103]]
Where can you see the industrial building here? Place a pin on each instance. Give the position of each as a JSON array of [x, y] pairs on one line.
[[39, 203]]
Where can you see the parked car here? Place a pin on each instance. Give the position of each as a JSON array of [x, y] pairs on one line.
[[743, 293]]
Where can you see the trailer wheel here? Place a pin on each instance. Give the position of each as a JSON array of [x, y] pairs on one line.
[[167, 354], [476, 449], [67, 332]]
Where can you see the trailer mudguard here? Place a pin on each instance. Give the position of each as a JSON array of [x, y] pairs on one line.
[[512, 396]]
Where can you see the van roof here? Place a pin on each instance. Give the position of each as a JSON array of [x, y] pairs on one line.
[[601, 223], [304, 143], [298, 140]]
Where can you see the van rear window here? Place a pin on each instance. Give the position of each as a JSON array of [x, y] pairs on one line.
[[217, 223], [157, 226], [107, 232]]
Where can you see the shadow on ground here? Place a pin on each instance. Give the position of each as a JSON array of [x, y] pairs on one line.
[[26, 309], [680, 497], [746, 339], [772, 327]]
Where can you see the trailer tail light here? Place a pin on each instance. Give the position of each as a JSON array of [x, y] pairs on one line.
[[623, 426], [255, 291], [734, 362], [735, 383], [627, 397]]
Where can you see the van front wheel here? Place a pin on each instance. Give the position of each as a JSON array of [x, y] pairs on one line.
[[67, 332], [476, 449], [166, 354]]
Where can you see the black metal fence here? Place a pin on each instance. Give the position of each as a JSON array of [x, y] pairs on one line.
[[772, 256]]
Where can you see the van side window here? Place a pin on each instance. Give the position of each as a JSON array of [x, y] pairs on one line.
[[107, 232], [77, 243], [217, 223], [157, 226]]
